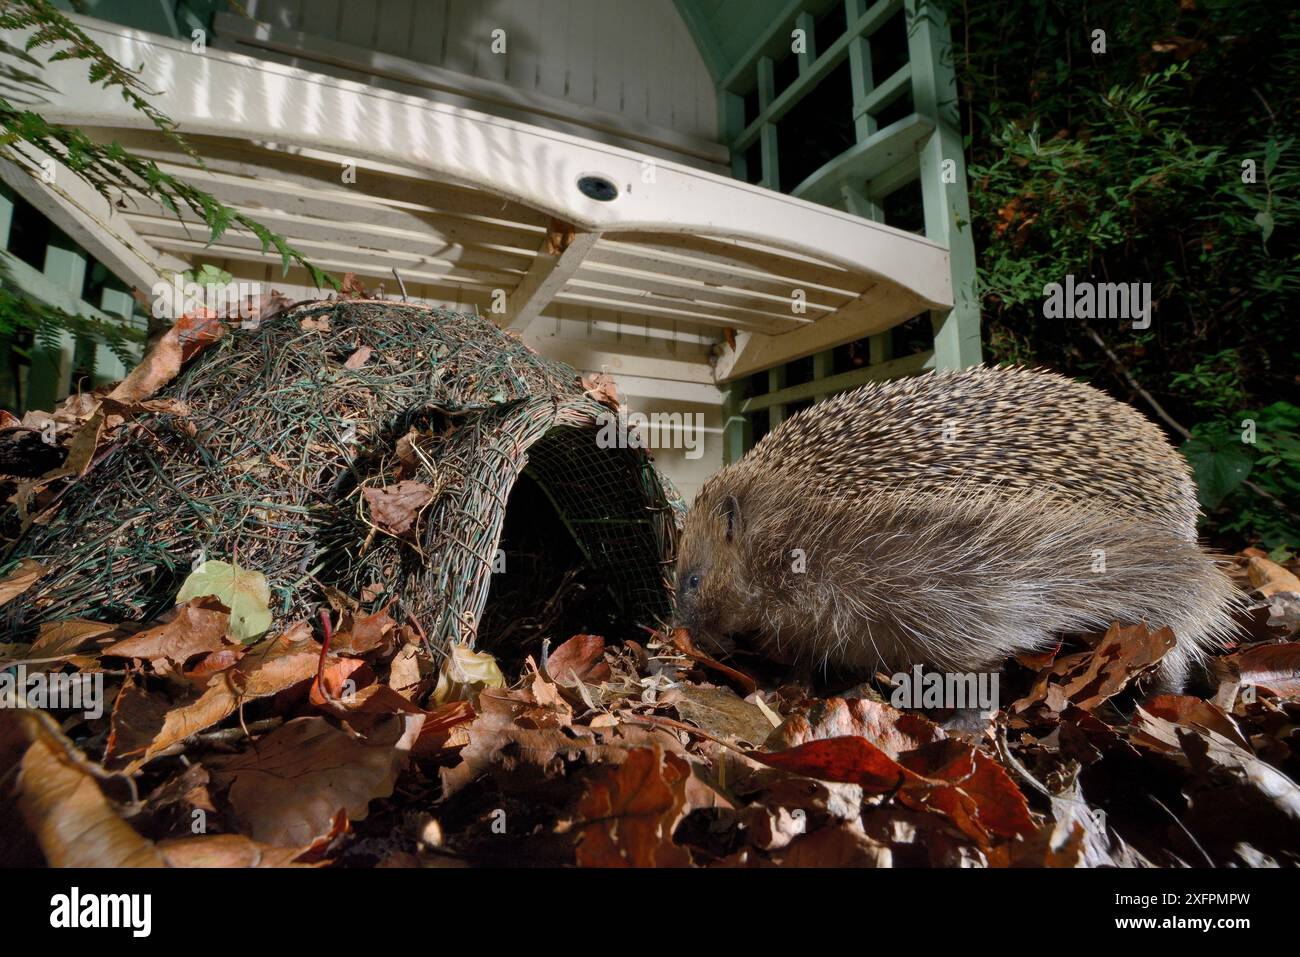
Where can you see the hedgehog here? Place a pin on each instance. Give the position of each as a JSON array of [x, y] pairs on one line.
[[951, 521]]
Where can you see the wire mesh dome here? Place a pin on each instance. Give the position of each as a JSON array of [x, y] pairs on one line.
[[283, 435]]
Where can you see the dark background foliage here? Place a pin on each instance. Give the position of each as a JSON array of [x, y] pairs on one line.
[[1127, 166]]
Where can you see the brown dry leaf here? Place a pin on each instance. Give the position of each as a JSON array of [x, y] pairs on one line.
[[628, 813], [851, 759], [581, 658], [358, 358], [75, 825], [358, 635], [1274, 667], [188, 336], [981, 799], [438, 727], [1195, 713], [229, 850], [948, 777], [886, 727], [313, 324], [157, 723], [20, 579], [723, 714], [1268, 577], [336, 691], [601, 387], [351, 286], [266, 306], [844, 844], [289, 790], [513, 738], [197, 627], [67, 812], [394, 508], [82, 447], [61, 638], [404, 669], [1091, 677]]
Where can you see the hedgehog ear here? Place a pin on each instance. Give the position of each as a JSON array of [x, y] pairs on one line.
[[731, 512]]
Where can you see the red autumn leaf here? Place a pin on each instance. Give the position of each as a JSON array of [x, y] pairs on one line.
[[581, 658], [850, 759], [980, 798]]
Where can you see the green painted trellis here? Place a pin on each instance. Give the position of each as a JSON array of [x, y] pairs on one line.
[[60, 283], [924, 146]]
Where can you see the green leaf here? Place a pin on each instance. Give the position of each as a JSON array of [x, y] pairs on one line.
[[243, 591], [1264, 220], [1219, 467]]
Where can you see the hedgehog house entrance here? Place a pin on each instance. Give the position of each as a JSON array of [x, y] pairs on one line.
[[579, 551]]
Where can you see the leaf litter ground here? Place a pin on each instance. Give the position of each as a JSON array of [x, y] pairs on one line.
[[340, 742]]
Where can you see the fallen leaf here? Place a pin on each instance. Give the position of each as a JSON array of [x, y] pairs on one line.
[[723, 714], [245, 592], [289, 789], [67, 812], [62, 638], [20, 579], [188, 336], [465, 673], [891, 730], [358, 358], [395, 507], [196, 627], [158, 722], [1089, 678], [351, 286], [851, 759], [1268, 577], [581, 658], [359, 634], [628, 813], [1194, 713], [1274, 667], [601, 387]]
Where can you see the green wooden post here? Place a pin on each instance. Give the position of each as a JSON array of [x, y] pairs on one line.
[[65, 265], [731, 123], [775, 383], [6, 217], [943, 181], [860, 72], [767, 136], [856, 201], [823, 366], [737, 431], [115, 302]]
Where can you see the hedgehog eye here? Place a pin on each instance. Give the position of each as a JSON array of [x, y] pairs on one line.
[[693, 582]]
